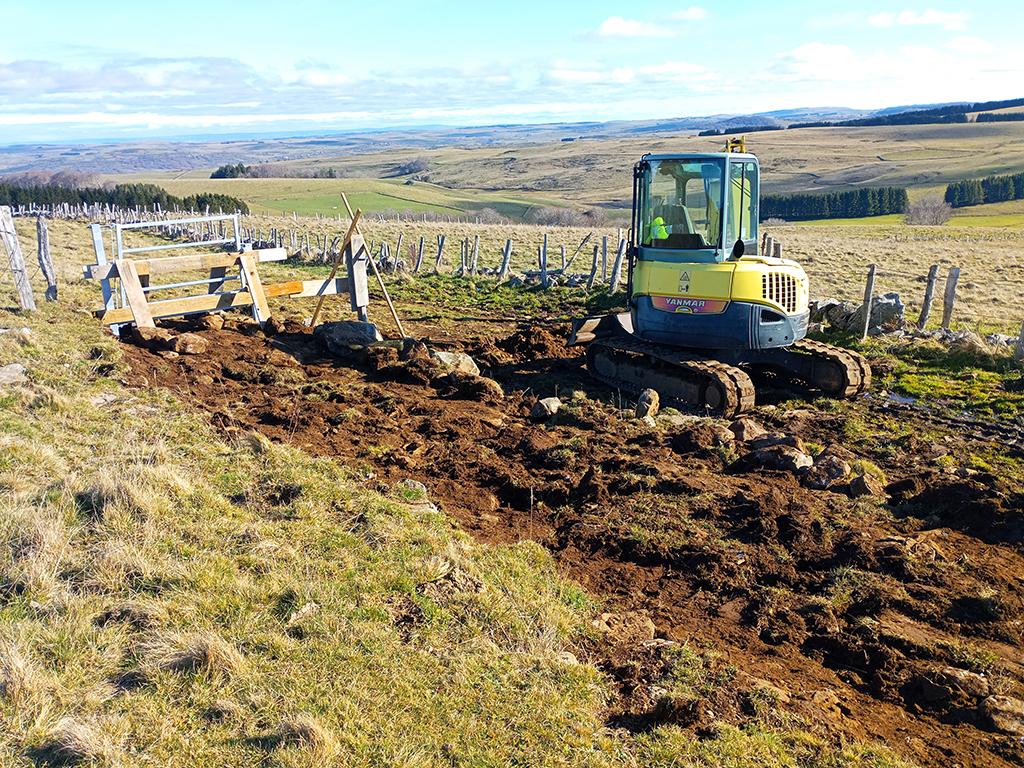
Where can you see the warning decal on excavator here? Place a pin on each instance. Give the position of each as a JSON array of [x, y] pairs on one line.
[[684, 282]]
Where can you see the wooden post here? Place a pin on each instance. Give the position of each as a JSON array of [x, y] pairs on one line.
[[398, 253], [950, 298], [543, 257], [380, 280], [869, 292], [769, 245], [476, 255], [617, 267], [45, 262], [419, 257], [593, 269], [562, 247], [604, 259], [1018, 352], [346, 246], [440, 251], [506, 257], [777, 250], [929, 293], [9, 235]]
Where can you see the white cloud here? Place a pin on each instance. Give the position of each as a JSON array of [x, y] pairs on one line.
[[673, 70], [969, 45], [952, 21], [693, 13], [883, 19], [620, 76], [818, 61], [616, 26]]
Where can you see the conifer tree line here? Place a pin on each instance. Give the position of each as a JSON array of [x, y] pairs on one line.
[[145, 196], [855, 204], [992, 189]]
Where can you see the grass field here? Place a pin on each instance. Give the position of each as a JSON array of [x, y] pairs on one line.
[[172, 597]]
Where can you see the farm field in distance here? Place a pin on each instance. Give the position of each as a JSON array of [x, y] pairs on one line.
[[267, 554]]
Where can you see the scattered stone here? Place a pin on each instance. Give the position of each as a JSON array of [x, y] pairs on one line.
[[722, 436], [781, 457], [771, 439], [168, 354], [866, 485], [212, 322], [456, 361], [827, 471], [828, 701], [838, 451], [970, 683], [567, 658], [648, 404], [887, 312], [629, 628], [545, 409], [342, 337], [649, 422], [13, 374], [1006, 714], [747, 429], [151, 338], [189, 344]]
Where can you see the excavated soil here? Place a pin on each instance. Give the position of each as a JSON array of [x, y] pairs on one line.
[[899, 622]]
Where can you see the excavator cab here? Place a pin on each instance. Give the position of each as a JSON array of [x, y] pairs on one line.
[[696, 279]]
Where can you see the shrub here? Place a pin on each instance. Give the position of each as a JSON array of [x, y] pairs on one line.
[[929, 209]]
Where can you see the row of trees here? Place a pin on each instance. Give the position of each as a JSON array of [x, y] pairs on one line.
[[146, 196], [277, 171], [1000, 117], [855, 204], [992, 189]]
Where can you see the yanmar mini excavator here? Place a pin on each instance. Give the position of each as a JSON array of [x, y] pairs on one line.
[[705, 308]]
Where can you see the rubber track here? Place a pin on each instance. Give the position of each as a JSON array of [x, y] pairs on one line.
[[737, 386], [855, 365]]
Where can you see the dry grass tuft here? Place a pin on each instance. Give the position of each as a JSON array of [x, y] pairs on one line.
[[33, 543], [202, 652], [74, 742], [306, 733], [19, 683]]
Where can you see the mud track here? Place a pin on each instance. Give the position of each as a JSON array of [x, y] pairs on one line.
[[880, 622]]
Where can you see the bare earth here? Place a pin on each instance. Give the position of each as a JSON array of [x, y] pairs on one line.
[[854, 615]]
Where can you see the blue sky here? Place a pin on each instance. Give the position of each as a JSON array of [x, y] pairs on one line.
[[80, 70]]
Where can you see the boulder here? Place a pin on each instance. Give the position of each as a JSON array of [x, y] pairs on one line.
[[781, 457], [456, 361], [827, 471], [746, 429], [213, 322], [772, 439], [970, 683], [13, 374], [545, 409], [151, 338], [1005, 713], [342, 337], [867, 485], [648, 404], [188, 344], [887, 311]]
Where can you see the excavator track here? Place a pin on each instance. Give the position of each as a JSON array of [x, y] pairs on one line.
[[841, 372], [681, 379]]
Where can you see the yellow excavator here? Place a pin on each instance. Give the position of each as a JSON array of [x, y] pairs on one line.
[[705, 309]]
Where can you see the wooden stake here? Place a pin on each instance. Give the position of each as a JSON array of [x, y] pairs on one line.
[[337, 261], [9, 235], [593, 269], [617, 267], [1018, 352], [505, 258], [869, 291], [950, 298], [45, 262], [929, 293], [380, 280]]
